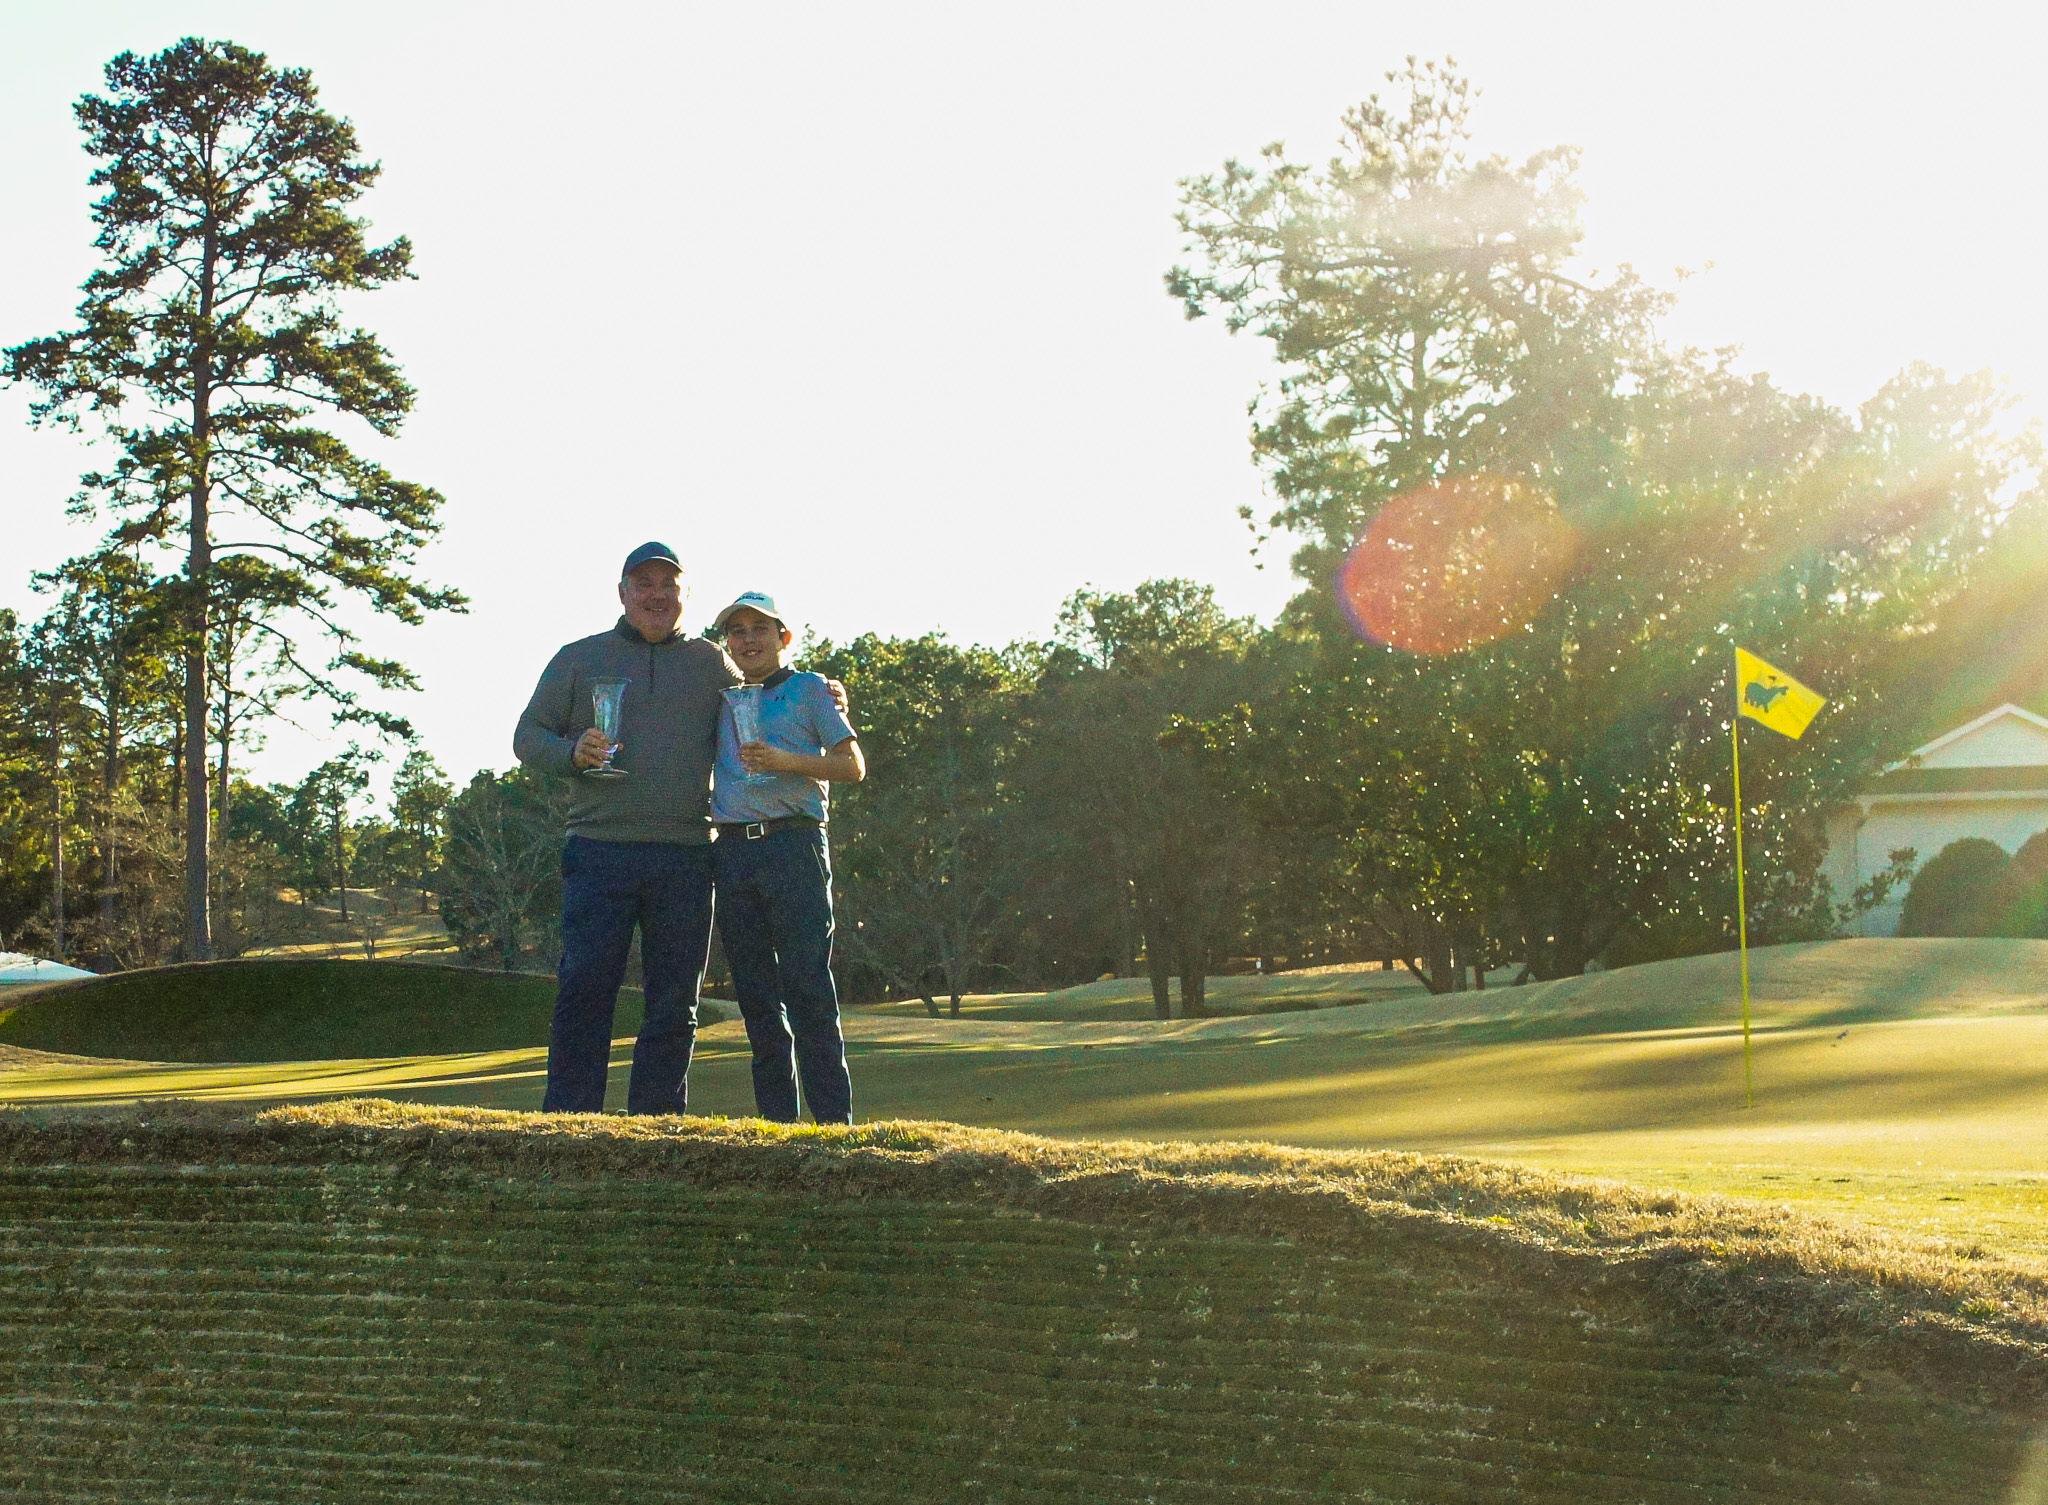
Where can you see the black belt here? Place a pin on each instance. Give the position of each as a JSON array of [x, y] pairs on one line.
[[754, 830]]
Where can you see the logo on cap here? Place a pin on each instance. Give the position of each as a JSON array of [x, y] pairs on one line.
[[759, 601]]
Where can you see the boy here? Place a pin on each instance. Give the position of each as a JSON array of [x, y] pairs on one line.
[[773, 867]]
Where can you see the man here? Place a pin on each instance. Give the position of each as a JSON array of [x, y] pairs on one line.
[[639, 847]]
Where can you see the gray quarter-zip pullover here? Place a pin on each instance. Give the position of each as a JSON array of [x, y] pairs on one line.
[[668, 734]]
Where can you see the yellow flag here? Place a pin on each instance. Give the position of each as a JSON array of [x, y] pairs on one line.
[[1772, 696]]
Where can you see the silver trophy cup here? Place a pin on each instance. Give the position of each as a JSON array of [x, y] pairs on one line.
[[607, 700], [746, 722]]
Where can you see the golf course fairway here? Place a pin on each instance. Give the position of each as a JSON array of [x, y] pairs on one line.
[[1899, 1083]]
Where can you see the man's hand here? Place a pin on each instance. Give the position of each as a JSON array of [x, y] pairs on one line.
[[759, 757], [842, 765], [591, 749], [838, 696]]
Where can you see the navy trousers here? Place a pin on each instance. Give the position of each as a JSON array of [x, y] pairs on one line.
[[775, 917], [608, 887]]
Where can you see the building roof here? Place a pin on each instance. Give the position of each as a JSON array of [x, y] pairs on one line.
[[2020, 780], [2004, 737]]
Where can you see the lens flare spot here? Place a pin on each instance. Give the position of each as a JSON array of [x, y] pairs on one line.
[[1464, 561]]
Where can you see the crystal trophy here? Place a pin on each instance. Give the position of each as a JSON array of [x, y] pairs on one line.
[[607, 697], [746, 722]]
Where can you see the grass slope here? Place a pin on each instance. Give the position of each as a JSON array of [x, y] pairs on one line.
[[289, 1010], [361, 1302], [1840, 982], [1130, 998], [1899, 1082], [390, 918]]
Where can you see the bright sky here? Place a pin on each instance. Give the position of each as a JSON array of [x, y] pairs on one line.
[[861, 304]]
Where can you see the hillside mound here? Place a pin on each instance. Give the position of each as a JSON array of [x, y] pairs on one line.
[[1817, 983], [290, 1010], [1130, 998], [468, 1305], [1811, 984]]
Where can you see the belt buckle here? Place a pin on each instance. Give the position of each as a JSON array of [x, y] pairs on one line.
[[754, 830]]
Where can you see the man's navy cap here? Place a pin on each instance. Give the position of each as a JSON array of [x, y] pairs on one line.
[[646, 553]]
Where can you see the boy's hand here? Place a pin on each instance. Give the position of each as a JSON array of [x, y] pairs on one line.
[[759, 757], [838, 695], [590, 749]]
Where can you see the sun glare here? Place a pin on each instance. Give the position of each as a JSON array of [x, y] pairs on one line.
[[1457, 563]]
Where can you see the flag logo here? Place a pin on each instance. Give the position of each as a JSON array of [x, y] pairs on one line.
[[1770, 695]]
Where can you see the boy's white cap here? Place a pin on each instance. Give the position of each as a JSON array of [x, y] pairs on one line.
[[759, 601]]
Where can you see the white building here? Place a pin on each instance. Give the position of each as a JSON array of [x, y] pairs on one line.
[[1988, 777]]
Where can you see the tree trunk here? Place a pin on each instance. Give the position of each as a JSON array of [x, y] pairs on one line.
[[1160, 968], [198, 822], [1555, 939], [57, 874], [226, 742], [1439, 958], [955, 974], [110, 843], [341, 871], [199, 582], [508, 939], [1435, 971], [1194, 984], [1127, 932], [931, 1004]]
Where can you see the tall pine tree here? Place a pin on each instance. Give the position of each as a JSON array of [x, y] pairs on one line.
[[211, 351]]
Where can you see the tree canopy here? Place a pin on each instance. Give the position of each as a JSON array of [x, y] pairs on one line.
[[212, 353], [1574, 523], [1490, 730], [1424, 310]]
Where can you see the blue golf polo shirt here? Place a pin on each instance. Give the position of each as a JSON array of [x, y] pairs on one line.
[[797, 714]]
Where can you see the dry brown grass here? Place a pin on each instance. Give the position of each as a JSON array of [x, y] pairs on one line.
[[21, 1058], [1950, 1314]]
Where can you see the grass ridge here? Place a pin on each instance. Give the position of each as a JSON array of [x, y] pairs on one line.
[[1948, 1314], [261, 1009]]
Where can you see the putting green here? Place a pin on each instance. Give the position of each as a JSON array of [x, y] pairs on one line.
[[1897, 1082]]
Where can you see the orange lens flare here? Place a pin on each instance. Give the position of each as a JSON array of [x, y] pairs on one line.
[[1448, 566]]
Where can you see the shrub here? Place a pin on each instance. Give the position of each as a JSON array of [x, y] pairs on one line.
[[2026, 890], [1960, 891]]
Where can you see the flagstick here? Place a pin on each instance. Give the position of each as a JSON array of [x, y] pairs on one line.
[[1741, 910]]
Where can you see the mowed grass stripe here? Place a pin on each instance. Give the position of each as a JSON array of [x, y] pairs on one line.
[[876, 1398], [1021, 1338], [1483, 1387], [906, 1309], [337, 1316], [985, 1357]]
